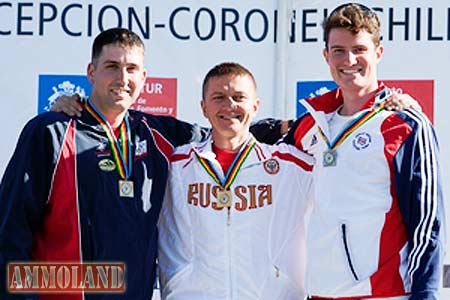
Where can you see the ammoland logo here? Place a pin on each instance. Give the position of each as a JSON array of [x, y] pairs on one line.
[[48, 277]]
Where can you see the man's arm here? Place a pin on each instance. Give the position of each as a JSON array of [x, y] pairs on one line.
[[268, 130], [23, 193], [175, 247], [418, 186]]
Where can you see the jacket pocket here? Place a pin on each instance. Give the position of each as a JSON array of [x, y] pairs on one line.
[[278, 286], [347, 251], [176, 283]]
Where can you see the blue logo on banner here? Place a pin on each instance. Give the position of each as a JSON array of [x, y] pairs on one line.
[[310, 89], [51, 87]]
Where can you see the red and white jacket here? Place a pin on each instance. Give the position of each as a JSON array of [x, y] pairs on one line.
[[376, 226], [254, 252]]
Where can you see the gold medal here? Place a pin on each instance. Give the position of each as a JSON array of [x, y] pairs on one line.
[[329, 158], [224, 198], [126, 188]]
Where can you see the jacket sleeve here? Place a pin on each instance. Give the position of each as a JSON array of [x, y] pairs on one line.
[[267, 130], [418, 186], [23, 194], [176, 131], [300, 131], [175, 249]]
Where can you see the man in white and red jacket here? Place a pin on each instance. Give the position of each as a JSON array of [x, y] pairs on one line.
[[232, 223], [377, 223]]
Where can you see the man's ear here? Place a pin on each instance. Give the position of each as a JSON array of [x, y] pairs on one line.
[[256, 105], [90, 72], [144, 74], [325, 54], [379, 52], [203, 106]]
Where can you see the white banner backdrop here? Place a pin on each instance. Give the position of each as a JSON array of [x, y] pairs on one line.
[[45, 48]]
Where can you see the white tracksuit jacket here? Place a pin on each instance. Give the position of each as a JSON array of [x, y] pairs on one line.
[[376, 228], [260, 254]]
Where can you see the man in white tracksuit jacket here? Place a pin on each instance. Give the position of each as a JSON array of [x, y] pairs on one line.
[[376, 229], [232, 224]]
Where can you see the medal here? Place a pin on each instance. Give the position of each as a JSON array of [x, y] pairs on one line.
[[224, 198], [126, 188], [329, 158], [120, 148]]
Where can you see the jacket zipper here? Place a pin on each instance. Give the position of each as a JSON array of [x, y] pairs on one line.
[[230, 264], [347, 252]]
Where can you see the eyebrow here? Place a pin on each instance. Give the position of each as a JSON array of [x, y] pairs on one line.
[[118, 63], [336, 46], [353, 46]]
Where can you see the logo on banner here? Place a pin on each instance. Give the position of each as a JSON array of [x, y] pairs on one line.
[[421, 90], [158, 97], [51, 87], [311, 89]]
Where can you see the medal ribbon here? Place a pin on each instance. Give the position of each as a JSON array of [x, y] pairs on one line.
[[357, 122], [121, 151], [234, 168]]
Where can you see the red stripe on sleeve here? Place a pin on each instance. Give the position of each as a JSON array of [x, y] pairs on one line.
[[289, 157], [302, 129]]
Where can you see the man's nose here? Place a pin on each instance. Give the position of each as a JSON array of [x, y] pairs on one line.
[[231, 102], [122, 75], [351, 57]]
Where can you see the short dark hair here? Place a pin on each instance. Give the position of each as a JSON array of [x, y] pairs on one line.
[[224, 69], [117, 36], [353, 17]]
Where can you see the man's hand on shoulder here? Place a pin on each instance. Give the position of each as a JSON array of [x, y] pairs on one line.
[[71, 106], [401, 102]]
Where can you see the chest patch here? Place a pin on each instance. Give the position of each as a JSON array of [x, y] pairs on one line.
[[141, 149], [272, 166], [106, 165], [313, 140], [102, 150], [362, 141]]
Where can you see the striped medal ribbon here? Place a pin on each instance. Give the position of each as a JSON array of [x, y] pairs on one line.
[[330, 155], [224, 198], [121, 150]]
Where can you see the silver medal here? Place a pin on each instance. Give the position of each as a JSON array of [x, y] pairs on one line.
[[329, 158]]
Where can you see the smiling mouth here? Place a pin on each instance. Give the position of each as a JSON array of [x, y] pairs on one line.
[[350, 72], [120, 92], [231, 118]]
